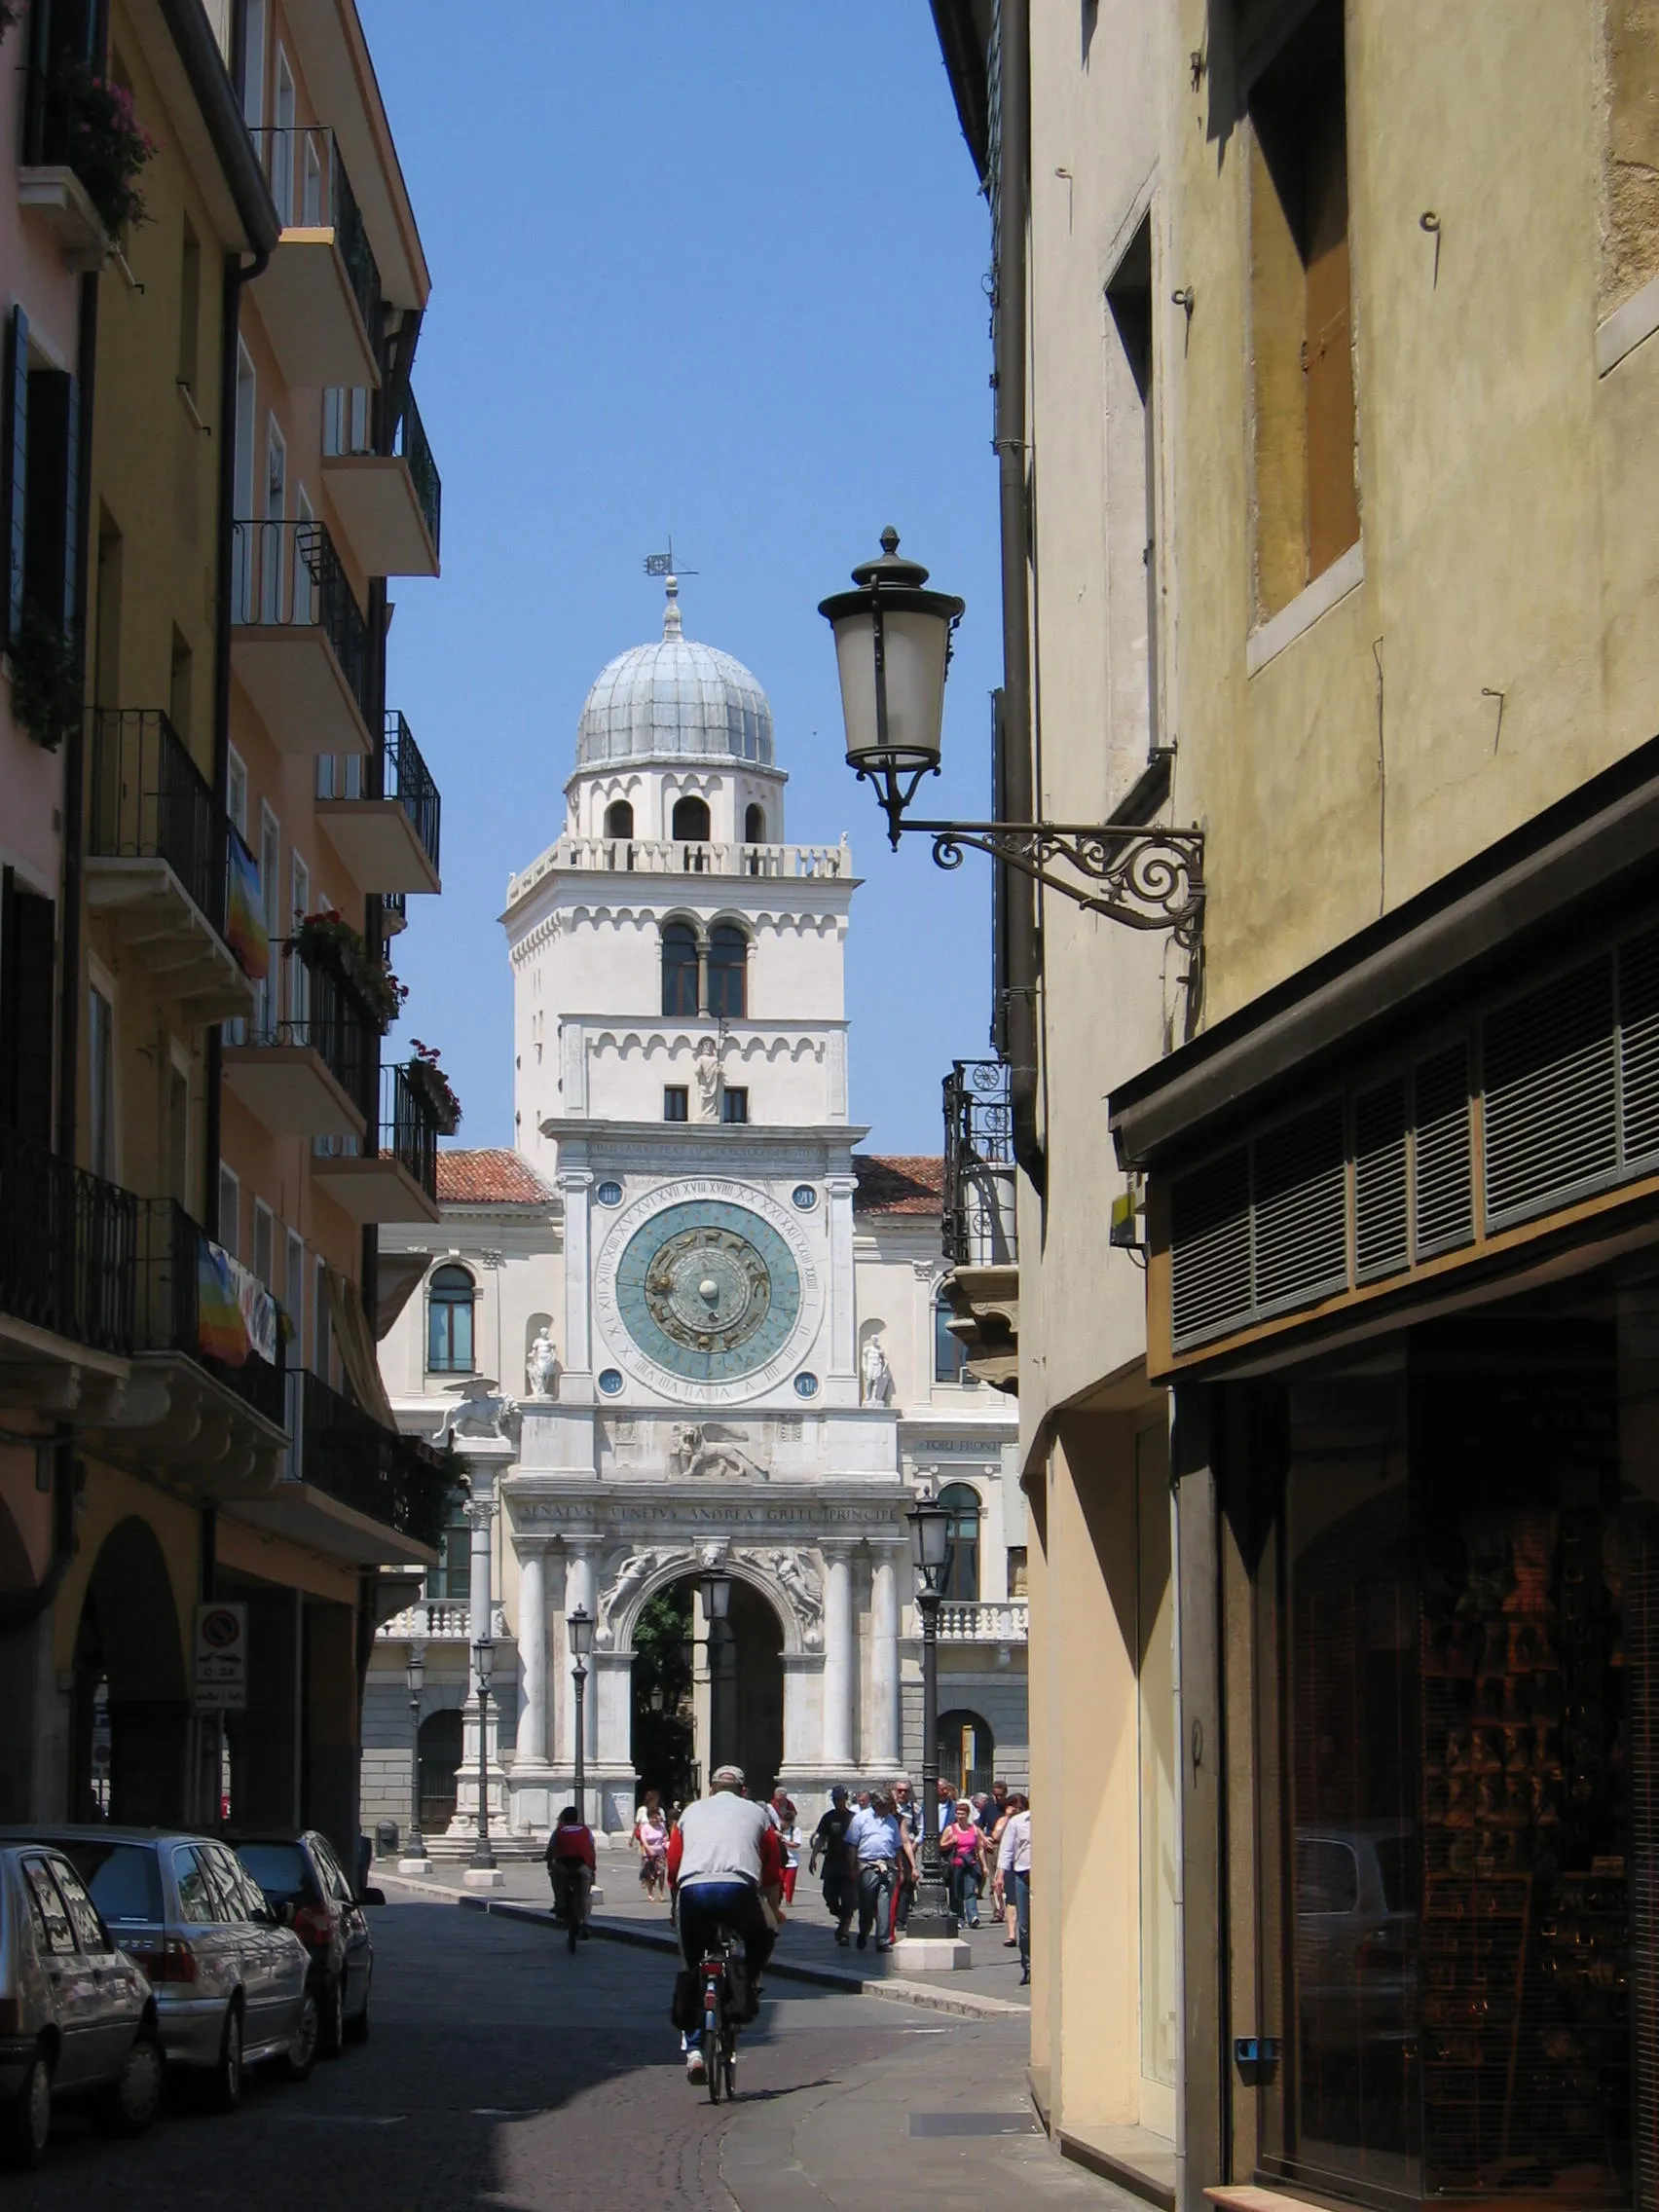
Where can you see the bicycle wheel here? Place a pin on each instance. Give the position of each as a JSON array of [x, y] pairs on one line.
[[730, 2062], [713, 2069]]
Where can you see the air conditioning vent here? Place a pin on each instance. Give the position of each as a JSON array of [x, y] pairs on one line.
[[1639, 1050], [1210, 1234], [1551, 1119], [1382, 1223], [1443, 1177], [1301, 1208]]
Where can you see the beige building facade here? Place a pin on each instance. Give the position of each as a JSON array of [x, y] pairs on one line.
[[1325, 338]]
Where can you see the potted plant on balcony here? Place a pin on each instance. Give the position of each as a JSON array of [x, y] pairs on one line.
[[46, 679], [102, 140], [428, 1082], [326, 941]]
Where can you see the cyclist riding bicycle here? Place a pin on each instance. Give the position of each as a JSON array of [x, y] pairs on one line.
[[723, 1860], [571, 1868]]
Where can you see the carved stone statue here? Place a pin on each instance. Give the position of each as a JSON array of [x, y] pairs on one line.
[[481, 1409], [876, 1375], [635, 1571], [713, 1450], [541, 1367], [804, 1586], [706, 1068]]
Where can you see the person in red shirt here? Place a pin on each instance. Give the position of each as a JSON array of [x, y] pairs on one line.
[[571, 1867]]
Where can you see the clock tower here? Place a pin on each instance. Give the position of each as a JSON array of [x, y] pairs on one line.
[[680, 1079]]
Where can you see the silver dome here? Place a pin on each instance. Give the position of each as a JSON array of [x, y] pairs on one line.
[[675, 697]]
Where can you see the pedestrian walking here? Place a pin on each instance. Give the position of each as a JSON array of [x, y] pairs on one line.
[[1003, 1902], [909, 1816], [789, 1835], [880, 1845], [840, 1882], [960, 1846], [651, 1840], [1014, 1867]]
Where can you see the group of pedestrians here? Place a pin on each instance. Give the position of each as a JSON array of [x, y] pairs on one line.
[[869, 1850]]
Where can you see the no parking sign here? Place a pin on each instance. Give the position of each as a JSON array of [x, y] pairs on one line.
[[221, 1658]]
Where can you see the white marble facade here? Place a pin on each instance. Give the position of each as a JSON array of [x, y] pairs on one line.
[[613, 1473]]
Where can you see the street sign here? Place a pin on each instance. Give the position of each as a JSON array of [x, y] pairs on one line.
[[221, 1658]]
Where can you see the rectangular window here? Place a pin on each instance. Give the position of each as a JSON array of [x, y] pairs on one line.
[[1300, 313], [1017, 1585], [236, 793], [253, 66], [676, 1102], [322, 1330], [28, 942], [178, 1134], [1131, 478], [264, 1243], [949, 1351], [734, 1103], [100, 1081], [230, 1213], [51, 566], [294, 1297]]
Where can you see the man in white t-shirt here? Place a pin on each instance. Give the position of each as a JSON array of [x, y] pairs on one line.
[[722, 1857]]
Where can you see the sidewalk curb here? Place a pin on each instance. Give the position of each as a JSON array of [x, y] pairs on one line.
[[894, 1990]]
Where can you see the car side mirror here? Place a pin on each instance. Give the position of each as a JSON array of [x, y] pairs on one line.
[[286, 1912], [372, 1897]]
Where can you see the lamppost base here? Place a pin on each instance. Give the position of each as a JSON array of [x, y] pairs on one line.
[[484, 1878], [414, 1866], [920, 1951]]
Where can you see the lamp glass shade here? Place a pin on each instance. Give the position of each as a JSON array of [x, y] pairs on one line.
[[717, 1596], [578, 1627], [930, 1537], [915, 647], [417, 1669], [484, 1659]]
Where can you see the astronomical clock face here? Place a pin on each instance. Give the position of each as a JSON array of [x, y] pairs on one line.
[[705, 1291]]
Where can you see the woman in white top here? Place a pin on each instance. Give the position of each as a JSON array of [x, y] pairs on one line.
[[789, 1835]]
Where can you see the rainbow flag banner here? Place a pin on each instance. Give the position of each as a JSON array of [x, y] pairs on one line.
[[220, 1329], [244, 913]]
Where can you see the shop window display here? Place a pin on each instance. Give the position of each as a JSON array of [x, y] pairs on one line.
[[1454, 1586]]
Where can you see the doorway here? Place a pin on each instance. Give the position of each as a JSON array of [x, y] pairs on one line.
[[746, 1691], [131, 1710], [664, 1739], [439, 1752]]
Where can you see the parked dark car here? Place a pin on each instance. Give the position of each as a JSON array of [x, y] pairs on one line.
[[305, 1885], [230, 1983], [77, 2016]]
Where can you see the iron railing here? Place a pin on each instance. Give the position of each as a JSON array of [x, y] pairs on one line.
[[408, 1128], [399, 772], [302, 1003], [68, 1244], [400, 1481], [149, 800], [394, 912], [979, 1211], [410, 442], [350, 432], [312, 192], [287, 576], [72, 120], [170, 1248]]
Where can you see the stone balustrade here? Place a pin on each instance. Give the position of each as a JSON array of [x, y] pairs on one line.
[[651, 856], [1005, 1620], [437, 1622]]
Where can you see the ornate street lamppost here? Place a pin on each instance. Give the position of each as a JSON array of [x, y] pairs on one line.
[[893, 652], [416, 1848], [483, 1661], [715, 1590], [929, 1551], [578, 1627]]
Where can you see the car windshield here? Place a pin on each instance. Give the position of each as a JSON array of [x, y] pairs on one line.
[[281, 1869], [125, 1884]]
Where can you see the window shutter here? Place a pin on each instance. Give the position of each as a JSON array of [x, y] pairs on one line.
[[1551, 1105], [72, 505], [14, 490], [28, 936], [53, 491]]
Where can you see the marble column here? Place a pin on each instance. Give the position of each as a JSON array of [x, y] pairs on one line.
[[579, 1591], [532, 1651], [883, 1750], [838, 1670]]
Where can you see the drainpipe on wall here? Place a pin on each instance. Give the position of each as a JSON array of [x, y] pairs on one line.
[[1018, 791]]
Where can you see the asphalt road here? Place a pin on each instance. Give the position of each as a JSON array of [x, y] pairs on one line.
[[502, 2072]]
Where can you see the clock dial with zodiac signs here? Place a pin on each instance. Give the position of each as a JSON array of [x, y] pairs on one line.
[[708, 1291]]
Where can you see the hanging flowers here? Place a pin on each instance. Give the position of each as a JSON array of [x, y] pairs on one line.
[[326, 941], [97, 127], [428, 1082]]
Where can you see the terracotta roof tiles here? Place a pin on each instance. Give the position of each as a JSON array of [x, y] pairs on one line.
[[904, 1183], [493, 1178]]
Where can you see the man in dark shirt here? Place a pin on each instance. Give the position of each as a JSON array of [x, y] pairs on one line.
[[994, 1807], [829, 1843]]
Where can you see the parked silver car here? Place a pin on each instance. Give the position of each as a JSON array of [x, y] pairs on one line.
[[77, 2017], [231, 1984]]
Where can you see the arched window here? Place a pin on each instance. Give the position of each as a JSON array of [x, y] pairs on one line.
[[950, 1353], [619, 818], [678, 969], [962, 1562], [729, 972], [691, 825], [754, 825], [449, 1322]]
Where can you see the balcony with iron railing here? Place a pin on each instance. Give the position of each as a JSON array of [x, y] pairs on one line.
[[158, 851], [979, 1225], [303, 1062], [68, 1244], [73, 177], [354, 1487], [649, 855], [382, 813], [299, 643], [175, 1258], [394, 913], [397, 1181], [385, 489], [321, 297]]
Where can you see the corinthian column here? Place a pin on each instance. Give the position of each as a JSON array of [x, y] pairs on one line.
[[883, 1750], [532, 1650], [838, 1672]]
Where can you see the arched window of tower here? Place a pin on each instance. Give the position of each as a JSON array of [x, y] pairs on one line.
[[729, 972], [678, 969], [754, 825], [619, 818], [691, 826]]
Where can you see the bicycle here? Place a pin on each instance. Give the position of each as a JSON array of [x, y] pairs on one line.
[[720, 2025], [570, 1903]]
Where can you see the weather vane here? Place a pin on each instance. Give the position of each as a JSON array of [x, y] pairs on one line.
[[662, 564]]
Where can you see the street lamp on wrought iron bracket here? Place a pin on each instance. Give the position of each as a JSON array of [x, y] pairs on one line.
[[893, 648]]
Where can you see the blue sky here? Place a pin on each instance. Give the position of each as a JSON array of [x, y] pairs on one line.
[[714, 269]]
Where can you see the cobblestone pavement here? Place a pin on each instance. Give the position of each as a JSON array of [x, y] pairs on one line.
[[504, 2073]]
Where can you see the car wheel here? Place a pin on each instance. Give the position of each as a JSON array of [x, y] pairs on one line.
[[301, 2054], [223, 2086], [331, 2010], [130, 2103], [27, 2118], [357, 2026]]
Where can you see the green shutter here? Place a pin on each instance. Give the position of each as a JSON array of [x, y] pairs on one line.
[[14, 478], [71, 507]]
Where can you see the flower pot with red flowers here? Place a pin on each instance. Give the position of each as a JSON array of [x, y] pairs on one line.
[[326, 941], [92, 127], [428, 1082]]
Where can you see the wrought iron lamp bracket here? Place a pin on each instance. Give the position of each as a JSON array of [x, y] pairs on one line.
[[1146, 878]]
